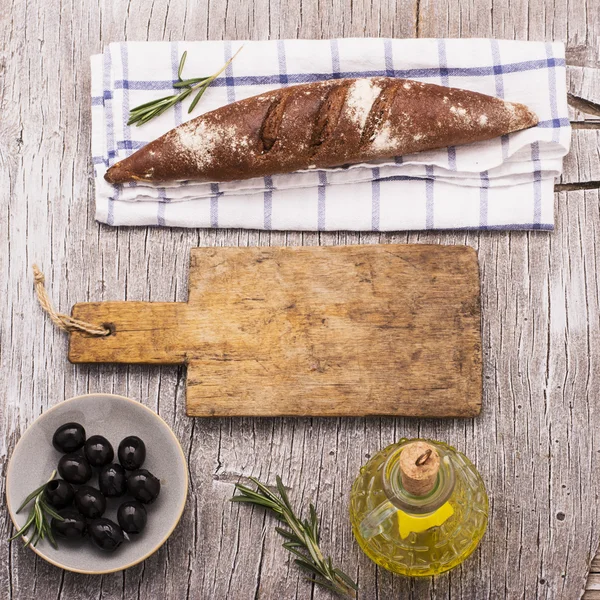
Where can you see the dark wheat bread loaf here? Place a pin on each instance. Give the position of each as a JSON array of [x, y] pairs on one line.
[[324, 124]]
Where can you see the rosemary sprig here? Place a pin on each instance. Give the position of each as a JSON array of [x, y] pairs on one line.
[[39, 516], [302, 538], [145, 112]]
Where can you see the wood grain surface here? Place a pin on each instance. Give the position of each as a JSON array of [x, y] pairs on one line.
[[389, 329], [536, 443]]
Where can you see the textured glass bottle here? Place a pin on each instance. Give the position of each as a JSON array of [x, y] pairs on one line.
[[418, 534]]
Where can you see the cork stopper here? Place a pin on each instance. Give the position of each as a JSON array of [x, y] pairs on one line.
[[419, 465]]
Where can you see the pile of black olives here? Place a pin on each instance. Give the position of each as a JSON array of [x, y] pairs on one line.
[[81, 505]]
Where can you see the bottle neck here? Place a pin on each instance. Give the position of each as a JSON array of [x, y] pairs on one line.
[[404, 500]]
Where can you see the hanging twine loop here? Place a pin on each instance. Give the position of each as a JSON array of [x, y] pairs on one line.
[[65, 322]]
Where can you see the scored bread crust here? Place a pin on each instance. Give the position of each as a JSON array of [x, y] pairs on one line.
[[318, 125]]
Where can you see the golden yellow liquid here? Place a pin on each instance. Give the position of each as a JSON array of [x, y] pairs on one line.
[[429, 552]]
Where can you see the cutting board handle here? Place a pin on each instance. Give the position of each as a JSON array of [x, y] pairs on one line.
[[140, 333]]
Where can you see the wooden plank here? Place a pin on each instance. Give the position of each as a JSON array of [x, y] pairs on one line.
[[582, 164], [540, 325], [593, 582], [348, 331], [581, 167], [583, 83]]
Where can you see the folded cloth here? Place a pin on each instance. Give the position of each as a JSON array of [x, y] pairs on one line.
[[505, 183]]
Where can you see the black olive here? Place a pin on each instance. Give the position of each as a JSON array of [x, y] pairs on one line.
[[90, 502], [132, 516], [143, 486], [73, 525], [98, 451], [112, 480], [106, 534], [58, 493], [69, 437], [132, 453], [74, 468]]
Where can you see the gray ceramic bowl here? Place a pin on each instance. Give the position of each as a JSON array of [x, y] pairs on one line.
[[114, 417]]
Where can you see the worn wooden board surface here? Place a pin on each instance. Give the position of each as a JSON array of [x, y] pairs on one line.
[[536, 443], [593, 583], [391, 329]]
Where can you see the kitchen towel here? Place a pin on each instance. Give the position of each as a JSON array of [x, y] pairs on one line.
[[505, 183]]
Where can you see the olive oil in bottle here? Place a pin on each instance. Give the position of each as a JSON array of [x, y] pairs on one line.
[[418, 508]]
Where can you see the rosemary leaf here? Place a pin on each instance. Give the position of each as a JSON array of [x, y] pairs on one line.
[[38, 517], [213, 77], [293, 549], [303, 564], [186, 82], [197, 97], [143, 113], [31, 497], [248, 493], [301, 539], [37, 536], [265, 503], [313, 551], [46, 525], [39, 523], [265, 490], [288, 535], [314, 522], [33, 540], [139, 109], [346, 579], [181, 64], [283, 493], [328, 586], [251, 494], [25, 527], [51, 538], [50, 511]]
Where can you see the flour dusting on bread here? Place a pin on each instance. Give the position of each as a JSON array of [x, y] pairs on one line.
[[200, 139], [384, 140], [361, 96]]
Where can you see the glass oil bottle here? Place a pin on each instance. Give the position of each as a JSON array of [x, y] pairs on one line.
[[418, 508]]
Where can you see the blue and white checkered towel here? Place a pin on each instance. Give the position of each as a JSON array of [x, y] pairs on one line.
[[506, 183]]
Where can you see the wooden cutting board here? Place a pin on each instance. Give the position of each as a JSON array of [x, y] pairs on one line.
[[334, 331]]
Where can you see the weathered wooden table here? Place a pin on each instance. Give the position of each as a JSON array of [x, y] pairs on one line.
[[537, 442]]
